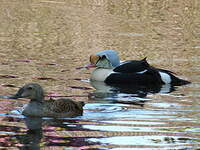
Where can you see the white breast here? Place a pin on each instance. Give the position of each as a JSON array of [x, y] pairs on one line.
[[100, 74]]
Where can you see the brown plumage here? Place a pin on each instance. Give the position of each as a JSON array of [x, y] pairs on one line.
[[38, 107]]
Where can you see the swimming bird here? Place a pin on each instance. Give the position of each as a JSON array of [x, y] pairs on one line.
[[137, 72], [38, 107]]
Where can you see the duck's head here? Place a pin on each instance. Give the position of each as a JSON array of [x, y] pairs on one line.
[[31, 91], [105, 59]]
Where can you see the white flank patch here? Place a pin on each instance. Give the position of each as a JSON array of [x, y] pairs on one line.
[[141, 72], [100, 74], [165, 77]]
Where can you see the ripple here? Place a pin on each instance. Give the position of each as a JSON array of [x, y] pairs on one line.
[[113, 128], [130, 122], [163, 148], [193, 129], [113, 111], [105, 107], [145, 140], [166, 105]]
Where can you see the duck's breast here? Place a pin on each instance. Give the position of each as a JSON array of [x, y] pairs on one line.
[[33, 109], [100, 74]]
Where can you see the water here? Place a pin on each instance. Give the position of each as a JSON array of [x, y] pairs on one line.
[[46, 41]]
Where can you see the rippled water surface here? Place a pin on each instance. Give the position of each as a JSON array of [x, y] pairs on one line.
[[48, 41]]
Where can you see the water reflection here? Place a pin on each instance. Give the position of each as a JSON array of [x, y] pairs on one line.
[[35, 35], [47, 132], [32, 138], [140, 140], [63, 133], [98, 112], [130, 94]]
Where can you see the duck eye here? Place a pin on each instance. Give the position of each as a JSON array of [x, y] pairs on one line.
[[103, 57], [29, 88], [90, 58]]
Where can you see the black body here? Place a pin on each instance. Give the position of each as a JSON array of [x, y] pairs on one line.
[[139, 72]]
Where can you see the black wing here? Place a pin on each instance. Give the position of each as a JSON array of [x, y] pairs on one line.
[[132, 66], [166, 71]]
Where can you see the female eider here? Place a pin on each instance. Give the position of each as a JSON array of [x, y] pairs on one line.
[[38, 107], [137, 72]]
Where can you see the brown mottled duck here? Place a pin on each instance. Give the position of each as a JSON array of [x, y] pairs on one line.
[[38, 107]]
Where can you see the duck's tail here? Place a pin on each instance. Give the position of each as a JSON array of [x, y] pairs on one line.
[[175, 81], [178, 82]]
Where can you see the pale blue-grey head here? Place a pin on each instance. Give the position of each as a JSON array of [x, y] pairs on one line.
[[107, 59]]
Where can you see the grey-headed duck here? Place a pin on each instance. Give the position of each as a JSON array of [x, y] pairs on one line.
[[39, 107], [110, 70]]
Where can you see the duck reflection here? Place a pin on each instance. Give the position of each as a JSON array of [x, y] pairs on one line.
[[33, 135], [135, 94], [46, 132]]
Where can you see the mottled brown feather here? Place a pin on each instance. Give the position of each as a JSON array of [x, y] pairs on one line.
[[48, 108]]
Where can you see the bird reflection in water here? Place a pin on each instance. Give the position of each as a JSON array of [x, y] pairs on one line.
[[45, 132], [127, 94], [33, 136]]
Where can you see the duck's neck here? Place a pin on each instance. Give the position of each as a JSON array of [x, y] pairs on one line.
[[37, 100]]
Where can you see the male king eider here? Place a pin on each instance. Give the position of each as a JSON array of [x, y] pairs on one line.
[[137, 72]]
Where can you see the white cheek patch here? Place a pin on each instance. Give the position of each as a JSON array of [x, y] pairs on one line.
[[165, 77]]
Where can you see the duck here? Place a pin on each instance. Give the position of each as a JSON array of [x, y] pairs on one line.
[[39, 107], [110, 70]]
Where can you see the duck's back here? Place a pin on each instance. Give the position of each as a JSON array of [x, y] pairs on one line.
[[54, 108], [139, 72], [132, 66], [148, 77], [65, 106]]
